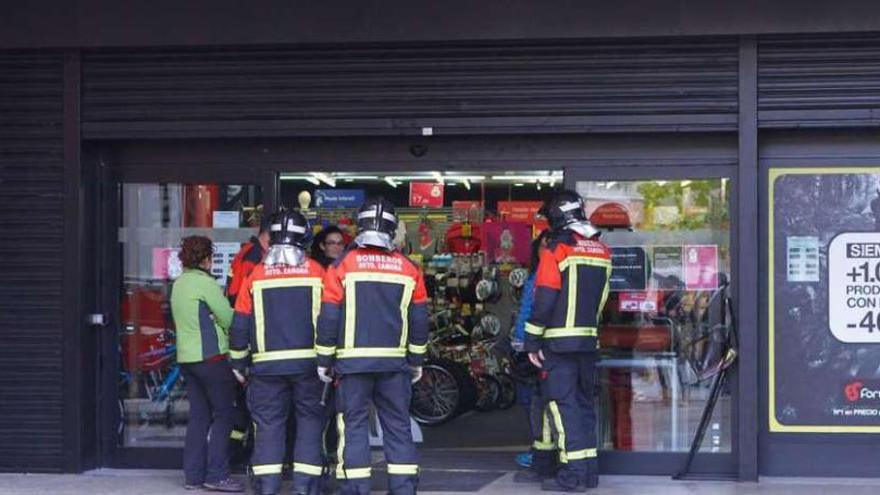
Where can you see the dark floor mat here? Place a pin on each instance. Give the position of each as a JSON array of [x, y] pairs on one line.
[[438, 480]]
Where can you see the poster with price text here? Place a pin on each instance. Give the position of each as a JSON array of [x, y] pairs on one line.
[[824, 325]]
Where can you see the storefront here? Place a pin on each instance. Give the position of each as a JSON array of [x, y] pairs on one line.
[[721, 164], [468, 209]]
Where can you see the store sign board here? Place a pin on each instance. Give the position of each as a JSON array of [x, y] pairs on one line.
[[339, 198], [629, 268], [519, 211], [824, 300], [428, 194]]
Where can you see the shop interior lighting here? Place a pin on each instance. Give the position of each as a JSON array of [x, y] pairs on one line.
[[538, 185], [391, 182], [518, 184], [438, 176], [466, 183], [326, 179]]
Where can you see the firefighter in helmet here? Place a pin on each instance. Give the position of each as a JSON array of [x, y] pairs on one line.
[[373, 333], [272, 341]]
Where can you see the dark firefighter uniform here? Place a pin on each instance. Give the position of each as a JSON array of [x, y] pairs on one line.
[[571, 287], [273, 335], [373, 328], [248, 257]]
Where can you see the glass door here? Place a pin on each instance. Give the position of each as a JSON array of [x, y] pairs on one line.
[[146, 407], [670, 234]]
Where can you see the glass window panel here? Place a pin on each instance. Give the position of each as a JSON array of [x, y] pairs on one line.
[[671, 250], [155, 217]]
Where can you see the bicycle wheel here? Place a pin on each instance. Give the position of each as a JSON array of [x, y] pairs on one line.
[[507, 397], [489, 391], [436, 397]]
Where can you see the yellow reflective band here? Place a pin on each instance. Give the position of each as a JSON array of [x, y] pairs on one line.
[[280, 355], [560, 430], [361, 352], [312, 469], [605, 292], [418, 349], [583, 260], [353, 474], [340, 447], [571, 309], [403, 469], [576, 455], [325, 350], [534, 329], [350, 283], [236, 435], [560, 332], [265, 469], [546, 432], [538, 445], [239, 354], [278, 283]]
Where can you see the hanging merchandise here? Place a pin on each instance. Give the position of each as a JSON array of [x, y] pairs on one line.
[[464, 238], [507, 242]]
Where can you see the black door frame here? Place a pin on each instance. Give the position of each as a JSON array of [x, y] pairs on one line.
[[666, 463], [113, 175]]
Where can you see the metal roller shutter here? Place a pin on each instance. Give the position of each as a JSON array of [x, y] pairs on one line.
[[31, 187], [642, 85], [819, 81]]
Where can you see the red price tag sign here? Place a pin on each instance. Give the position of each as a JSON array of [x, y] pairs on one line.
[[429, 194]]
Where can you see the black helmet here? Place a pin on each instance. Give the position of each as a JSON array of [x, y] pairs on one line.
[[377, 214], [565, 210], [289, 227]]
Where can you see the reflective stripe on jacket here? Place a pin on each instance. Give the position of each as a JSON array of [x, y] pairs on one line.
[[571, 287], [374, 315], [275, 317]]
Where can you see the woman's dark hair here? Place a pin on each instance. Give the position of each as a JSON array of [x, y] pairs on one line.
[[321, 237], [194, 249], [536, 249]]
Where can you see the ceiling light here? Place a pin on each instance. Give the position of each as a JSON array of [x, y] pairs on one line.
[[391, 182], [321, 176], [467, 184], [518, 184], [438, 176]]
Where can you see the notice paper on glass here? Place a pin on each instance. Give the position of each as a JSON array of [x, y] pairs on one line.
[[802, 254], [226, 220], [224, 253]]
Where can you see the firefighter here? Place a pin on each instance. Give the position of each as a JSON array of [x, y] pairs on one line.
[[373, 333], [272, 342], [571, 287], [248, 257]]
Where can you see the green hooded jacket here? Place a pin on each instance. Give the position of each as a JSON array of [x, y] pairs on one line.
[[202, 316]]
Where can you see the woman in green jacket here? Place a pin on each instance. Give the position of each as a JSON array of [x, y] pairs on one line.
[[202, 317]]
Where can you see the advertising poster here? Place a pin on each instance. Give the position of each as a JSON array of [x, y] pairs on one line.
[[338, 198], [638, 302], [166, 264], [629, 269], [701, 267], [668, 269], [224, 253], [428, 194], [226, 219], [824, 300]]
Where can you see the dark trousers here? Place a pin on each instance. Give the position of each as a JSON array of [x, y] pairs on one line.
[[271, 400], [391, 394], [210, 387], [568, 387]]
